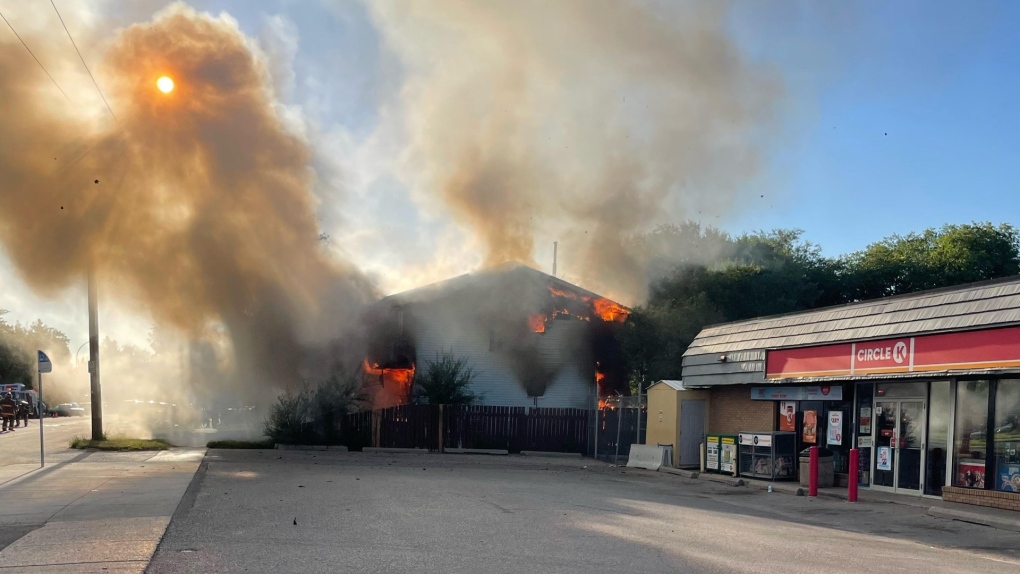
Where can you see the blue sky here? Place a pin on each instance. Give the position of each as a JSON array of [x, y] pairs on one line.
[[912, 120]]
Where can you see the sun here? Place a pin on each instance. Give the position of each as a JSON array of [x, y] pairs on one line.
[[165, 84]]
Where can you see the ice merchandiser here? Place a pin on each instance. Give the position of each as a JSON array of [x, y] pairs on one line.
[[768, 455]]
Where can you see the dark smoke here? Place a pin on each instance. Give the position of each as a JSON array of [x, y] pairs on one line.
[[579, 121], [198, 202]]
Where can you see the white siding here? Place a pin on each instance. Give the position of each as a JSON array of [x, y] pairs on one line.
[[442, 328]]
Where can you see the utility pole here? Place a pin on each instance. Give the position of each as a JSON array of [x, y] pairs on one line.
[[97, 395]]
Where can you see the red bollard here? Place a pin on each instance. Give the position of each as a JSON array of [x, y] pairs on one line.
[[813, 473], [855, 463]]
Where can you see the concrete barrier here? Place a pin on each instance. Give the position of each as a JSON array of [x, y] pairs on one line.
[[647, 456]]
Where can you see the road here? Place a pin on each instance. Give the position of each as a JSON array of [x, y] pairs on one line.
[[295, 511], [21, 446]]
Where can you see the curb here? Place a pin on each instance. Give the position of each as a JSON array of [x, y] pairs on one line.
[[680, 471], [492, 451], [310, 447], [395, 450], [1000, 523], [542, 453]]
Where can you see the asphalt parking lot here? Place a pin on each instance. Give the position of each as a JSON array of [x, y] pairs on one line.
[[303, 511]]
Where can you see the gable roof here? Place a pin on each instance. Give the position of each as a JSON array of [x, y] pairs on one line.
[[963, 307], [675, 385], [483, 278]]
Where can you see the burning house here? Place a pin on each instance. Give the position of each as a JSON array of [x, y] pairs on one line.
[[532, 339]]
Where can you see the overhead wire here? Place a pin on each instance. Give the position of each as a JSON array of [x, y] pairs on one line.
[[96, 84], [45, 71]]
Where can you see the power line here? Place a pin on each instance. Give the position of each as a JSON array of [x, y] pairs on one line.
[[33, 56], [83, 60]]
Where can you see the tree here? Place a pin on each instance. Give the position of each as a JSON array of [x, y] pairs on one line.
[[724, 279], [950, 255], [18, 346], [445, 381]]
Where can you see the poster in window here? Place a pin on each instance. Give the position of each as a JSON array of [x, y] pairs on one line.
[[883, 458], [835, 430], [788, 416], [810, 427], [865, 425]]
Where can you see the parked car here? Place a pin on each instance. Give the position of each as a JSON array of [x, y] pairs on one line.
[[69, 410]]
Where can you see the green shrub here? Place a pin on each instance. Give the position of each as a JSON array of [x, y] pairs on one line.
[[445, 381], [314, 417]]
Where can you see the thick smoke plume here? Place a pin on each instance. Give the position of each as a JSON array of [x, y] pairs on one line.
[[198, 202], [579, 121]]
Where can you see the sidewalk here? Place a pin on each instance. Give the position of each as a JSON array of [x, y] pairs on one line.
[[96, 512], [991, 517]]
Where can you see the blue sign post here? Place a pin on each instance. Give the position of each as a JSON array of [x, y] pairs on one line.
[[45, 366]]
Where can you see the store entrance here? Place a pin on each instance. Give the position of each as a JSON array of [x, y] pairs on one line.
[[899, 445]]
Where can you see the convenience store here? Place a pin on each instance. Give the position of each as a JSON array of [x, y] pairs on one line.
[[926, 385]]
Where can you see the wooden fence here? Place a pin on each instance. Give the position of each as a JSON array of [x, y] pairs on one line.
[[515, 429]]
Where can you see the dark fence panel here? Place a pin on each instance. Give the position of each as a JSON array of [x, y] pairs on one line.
[[475, 427], [409, 426], [553, 430], [356, 431]]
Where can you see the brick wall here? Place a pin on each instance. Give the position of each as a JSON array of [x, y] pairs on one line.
[[992, 498], [732, 410]]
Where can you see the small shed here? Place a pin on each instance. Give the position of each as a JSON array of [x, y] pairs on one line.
[[678, 416]]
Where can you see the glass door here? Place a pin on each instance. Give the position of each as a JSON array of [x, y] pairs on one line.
[[899, 445]]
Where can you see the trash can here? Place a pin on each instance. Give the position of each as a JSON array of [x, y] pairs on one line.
[[826, 475]]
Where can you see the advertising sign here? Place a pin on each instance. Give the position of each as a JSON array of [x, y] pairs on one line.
[[728, 455], [712, 453], [883, 458], [835, 434], [817, 393], [756, 439], [864, 442], [865, 424], [985, 349], [810, 433], [788, 416]]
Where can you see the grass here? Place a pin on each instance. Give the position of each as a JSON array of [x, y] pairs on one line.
[[120, 444], [241, 444]]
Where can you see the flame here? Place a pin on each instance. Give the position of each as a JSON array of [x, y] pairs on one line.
[[537, 322], [608, 311], [611, 312], [599, 376], [401, 377], [567, 294]]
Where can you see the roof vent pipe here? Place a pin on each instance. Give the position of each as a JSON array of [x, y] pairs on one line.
[[556, 245]]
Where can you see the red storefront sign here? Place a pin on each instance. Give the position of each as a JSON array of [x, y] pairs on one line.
[[989, 349]]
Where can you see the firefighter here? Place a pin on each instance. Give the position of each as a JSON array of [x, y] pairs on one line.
[[8, 410], [23, 410]]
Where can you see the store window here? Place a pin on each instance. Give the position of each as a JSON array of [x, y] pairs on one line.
[[865, 396], [970, 440], [939, 405], [1007, 435]]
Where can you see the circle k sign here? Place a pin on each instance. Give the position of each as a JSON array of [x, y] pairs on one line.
[[881, 354]]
